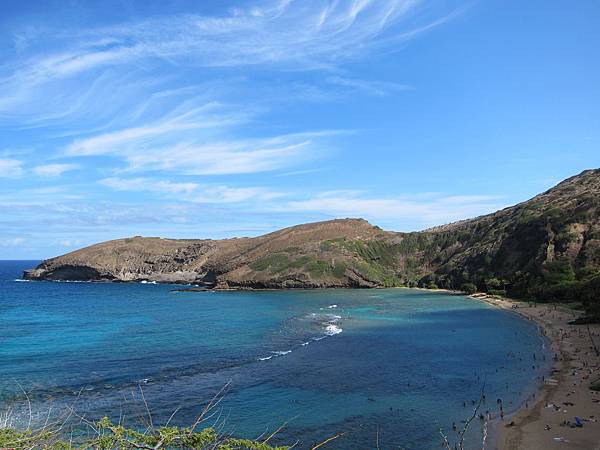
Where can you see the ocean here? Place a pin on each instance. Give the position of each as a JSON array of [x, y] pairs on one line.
[[386, 366]]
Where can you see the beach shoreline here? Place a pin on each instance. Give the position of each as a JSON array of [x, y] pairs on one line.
[[544, 421]]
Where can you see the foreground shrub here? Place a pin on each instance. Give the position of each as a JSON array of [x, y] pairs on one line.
[[107, 436]]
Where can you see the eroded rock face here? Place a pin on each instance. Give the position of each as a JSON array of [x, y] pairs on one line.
[[69, 272], [514, 249]]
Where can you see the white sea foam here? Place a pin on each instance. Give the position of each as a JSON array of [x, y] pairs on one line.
[[332, 306], [332, 330], [275, 354], [20, 280], [328, 322]]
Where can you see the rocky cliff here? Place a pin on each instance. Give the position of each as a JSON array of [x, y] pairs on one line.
[[548, 246]]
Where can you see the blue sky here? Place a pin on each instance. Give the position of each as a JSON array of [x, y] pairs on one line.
[[226, 118]]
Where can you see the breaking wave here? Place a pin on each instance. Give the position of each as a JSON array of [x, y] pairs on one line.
[[275, 354], [329, 325]]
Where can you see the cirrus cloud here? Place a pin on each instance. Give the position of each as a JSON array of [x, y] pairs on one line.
[[53, 170], [425, 210], [11, 168], [191, 192]]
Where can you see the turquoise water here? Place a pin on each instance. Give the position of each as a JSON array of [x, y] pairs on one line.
[[397, 363]]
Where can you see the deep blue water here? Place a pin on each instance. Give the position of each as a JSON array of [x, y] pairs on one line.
[[397, 363]]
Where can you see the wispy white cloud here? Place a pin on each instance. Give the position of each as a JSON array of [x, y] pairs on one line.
[[149, 185], [120, 141], [226, 158], [11, 168], [299, 35], [41, 195], [292, 32], [189, 140], [228, 194], [191, 192], [303, 172], [378, 88], [53, 170], [176, 144], [12, 242], [71, 84], [428, 210]]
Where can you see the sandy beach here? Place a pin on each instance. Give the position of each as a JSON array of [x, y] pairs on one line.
[[548, 420]]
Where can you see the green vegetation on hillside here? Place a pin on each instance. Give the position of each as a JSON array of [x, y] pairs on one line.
[[317, 268]]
